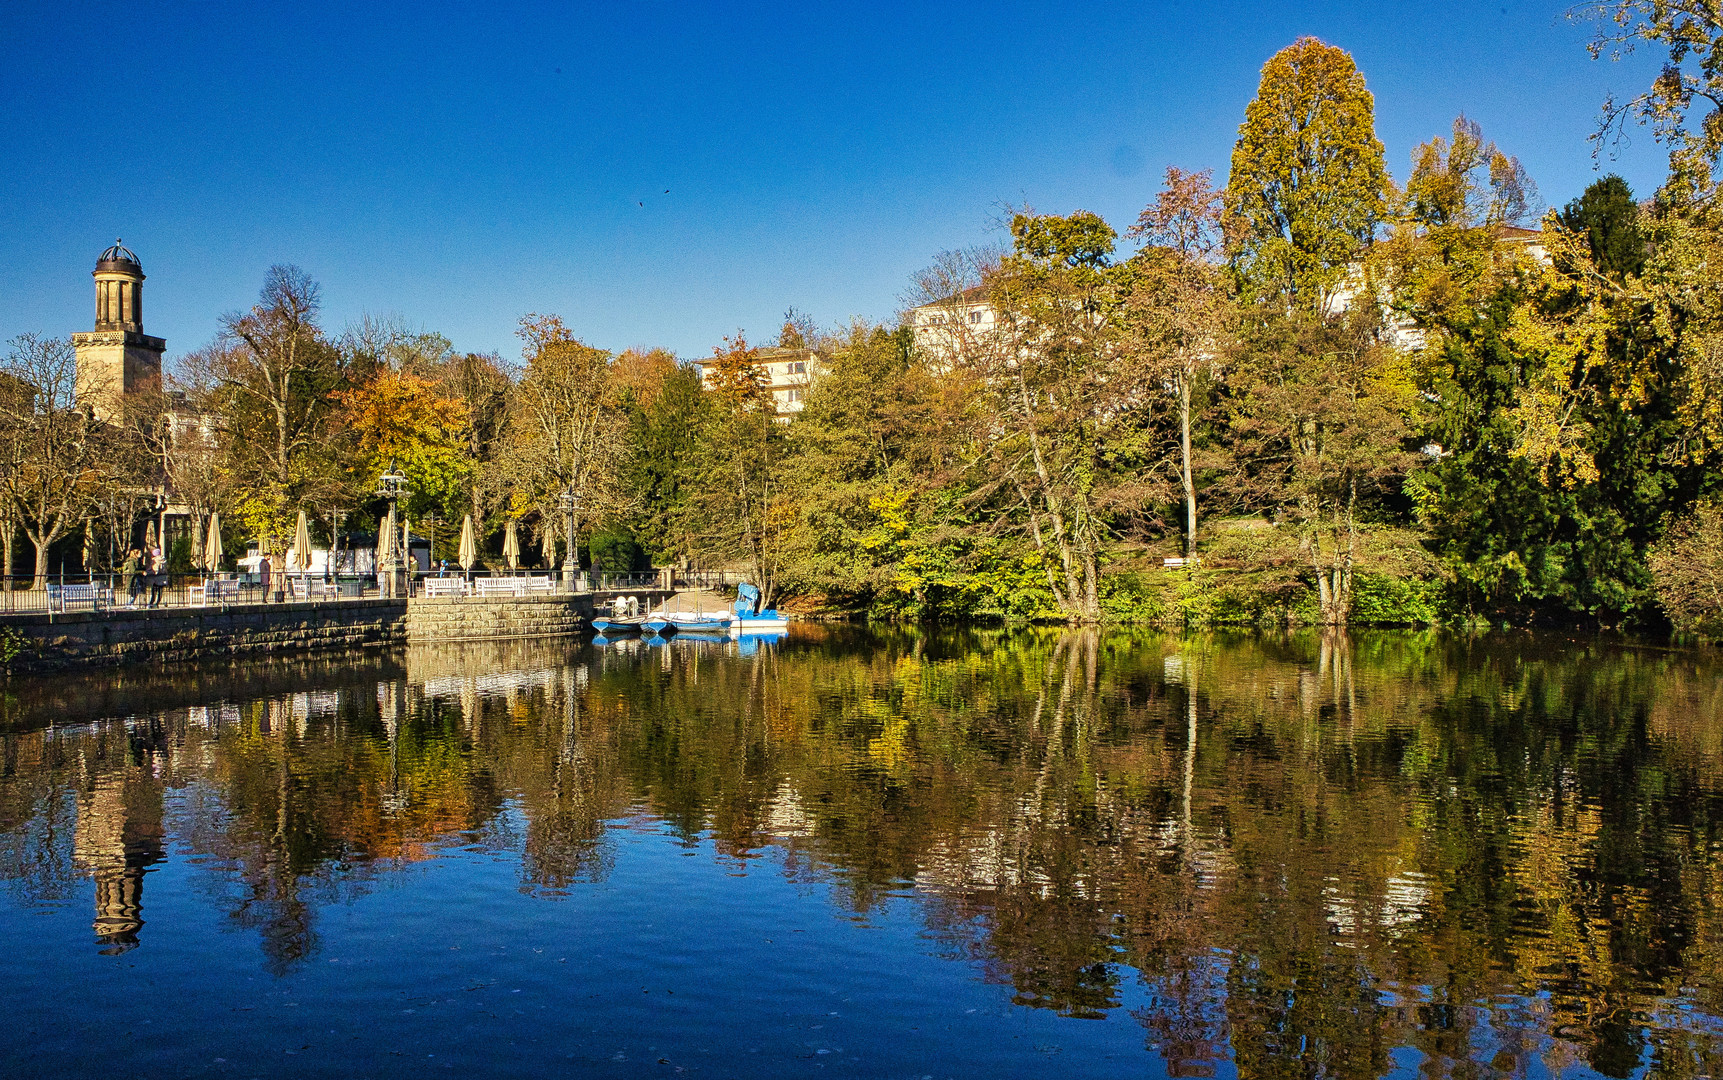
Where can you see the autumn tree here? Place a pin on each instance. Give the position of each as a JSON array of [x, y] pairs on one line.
[[1056, 395], [1179, 311], [55, 457], [1688, 568], [1308, 185], [1322, 413], [401, 421], [1682, 104], [738, 512], [268, 380], [566, 427]]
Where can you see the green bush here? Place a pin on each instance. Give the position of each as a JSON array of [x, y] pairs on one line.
[[1385, 599], [617, 552]]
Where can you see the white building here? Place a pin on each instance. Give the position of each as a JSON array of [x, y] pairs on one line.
[[788, 374]]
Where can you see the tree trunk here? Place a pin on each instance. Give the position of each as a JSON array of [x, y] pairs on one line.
[[41, 580], [1189, 480]]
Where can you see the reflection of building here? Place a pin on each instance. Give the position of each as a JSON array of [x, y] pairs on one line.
[[118, 836], [788, 373], [117, 358]]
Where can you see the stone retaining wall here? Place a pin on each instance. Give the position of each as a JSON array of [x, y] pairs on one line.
[[125, 636], [87, 639], [480, 617]]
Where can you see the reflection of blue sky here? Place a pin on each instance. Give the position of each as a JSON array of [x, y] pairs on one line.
[[677, 953]]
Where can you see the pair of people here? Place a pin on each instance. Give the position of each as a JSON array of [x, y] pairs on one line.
[[139, 570]]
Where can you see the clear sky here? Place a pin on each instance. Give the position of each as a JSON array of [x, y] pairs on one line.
[[664, 173]]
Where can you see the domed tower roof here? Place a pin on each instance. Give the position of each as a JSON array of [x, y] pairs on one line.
[[119, 257]]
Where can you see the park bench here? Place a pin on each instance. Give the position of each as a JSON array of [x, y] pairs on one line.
[[434, 587], [303, 588], [500, 586], [67, 597], [214, 591], [544, 585], [1175, 562]]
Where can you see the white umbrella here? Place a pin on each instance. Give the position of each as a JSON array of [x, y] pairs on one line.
[[469, 545], [511, 546], [549, 544], [386, 539], [212, 546], [300, 556]]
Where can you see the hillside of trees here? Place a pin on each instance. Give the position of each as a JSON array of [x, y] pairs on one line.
[[1335, 397]]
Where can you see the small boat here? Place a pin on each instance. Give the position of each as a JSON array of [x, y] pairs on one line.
[[700, 624], [660, 625], [750, 618], [611, 625], [766, 622]]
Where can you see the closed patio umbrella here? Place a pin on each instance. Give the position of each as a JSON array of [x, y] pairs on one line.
[[549, 545], [301, 553], [469, 545], [386, 539], [212, 546], [511, 546]]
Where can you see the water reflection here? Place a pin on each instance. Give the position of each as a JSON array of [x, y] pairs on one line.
[[1299, 855]]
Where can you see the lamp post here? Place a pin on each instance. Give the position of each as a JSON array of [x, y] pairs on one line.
[[569, 503], [392, 571]]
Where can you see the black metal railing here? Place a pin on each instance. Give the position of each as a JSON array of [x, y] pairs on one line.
[[103, 592]]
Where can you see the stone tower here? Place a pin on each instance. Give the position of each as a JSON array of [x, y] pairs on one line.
[[117, 358]]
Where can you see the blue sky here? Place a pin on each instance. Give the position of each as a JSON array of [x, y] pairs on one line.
[[461, 165]]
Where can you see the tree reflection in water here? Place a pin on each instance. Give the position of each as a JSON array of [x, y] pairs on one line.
[[1306, 850]]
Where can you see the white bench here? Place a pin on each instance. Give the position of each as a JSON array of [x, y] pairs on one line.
[[304, 588], [65, 597], [434, 587], [1175, 563], [546, 585], [216, 591], [500, 586]]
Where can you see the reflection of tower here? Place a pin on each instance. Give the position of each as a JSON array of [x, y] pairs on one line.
[[117, 358], [118, 836]]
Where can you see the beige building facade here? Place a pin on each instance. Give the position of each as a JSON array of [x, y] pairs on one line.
[[788, 374], [117, 358]]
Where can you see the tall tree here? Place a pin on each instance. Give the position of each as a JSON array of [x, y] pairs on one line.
[[399, 420], [1607, 216], [1308, 186], [268, 379], [566, 427], [1321, 416], [1179, 311], [55, 458], [1682, 105], [1056, 394], [738, 510]]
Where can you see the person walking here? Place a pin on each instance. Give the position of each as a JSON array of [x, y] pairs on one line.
[[158, 575], [263, 569], [133, 571]]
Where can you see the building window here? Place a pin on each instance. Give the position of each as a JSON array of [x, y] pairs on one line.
[[799, 368], [975, 316]]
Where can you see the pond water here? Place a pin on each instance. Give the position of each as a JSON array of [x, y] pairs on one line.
[[875, 855]]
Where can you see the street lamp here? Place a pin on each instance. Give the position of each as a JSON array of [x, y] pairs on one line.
[[392, 572], [569, 503]]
